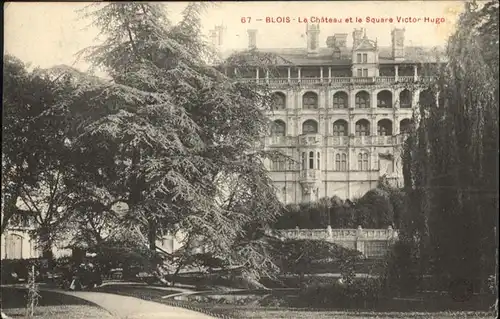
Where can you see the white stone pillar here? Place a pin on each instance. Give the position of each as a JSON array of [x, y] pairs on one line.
[[321, 73], [395, 126], [396, 73], [373, 126], [360, 244], [267, 76], [373, 100], [415, 73], [329, 73], [298, 73], [352, 99], [289, 75], [257, 74]]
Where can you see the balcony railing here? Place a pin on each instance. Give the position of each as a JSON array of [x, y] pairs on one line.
[[318, 140], [338, 80], [281, 140], [310, 139], [310, 174]]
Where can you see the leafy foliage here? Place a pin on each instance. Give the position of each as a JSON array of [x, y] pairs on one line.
[[170, 135], [451, 160], [300, 257], [36, 159], [378, 208]]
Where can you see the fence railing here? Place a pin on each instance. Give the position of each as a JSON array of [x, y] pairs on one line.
[[338, 80], [372, 243]]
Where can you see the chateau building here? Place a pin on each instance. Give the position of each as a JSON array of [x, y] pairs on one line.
[[340, 112]]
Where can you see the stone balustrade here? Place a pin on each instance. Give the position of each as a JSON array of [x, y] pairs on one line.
[[277, 82], [372, 243], [318, 140]]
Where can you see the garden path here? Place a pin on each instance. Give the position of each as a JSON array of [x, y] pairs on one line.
[[124, 307]]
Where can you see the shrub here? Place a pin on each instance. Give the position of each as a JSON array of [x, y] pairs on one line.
[[401, 273], [361, 293]]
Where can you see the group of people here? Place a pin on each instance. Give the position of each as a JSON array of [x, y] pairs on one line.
[[85, 276]]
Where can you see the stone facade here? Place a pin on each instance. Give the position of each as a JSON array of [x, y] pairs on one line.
[[340, 113]]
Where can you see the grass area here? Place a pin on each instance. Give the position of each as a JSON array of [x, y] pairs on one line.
[[136, 291], [61, 312], [256, 311], [277, 314], [51, 305]]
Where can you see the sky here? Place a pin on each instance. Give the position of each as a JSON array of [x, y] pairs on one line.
[[50, 33]]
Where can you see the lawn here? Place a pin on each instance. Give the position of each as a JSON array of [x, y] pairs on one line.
[[297, 314], [255, 311], [50, 306], [61, 312]]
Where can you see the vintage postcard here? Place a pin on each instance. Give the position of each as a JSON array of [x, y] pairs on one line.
[[273, 159]]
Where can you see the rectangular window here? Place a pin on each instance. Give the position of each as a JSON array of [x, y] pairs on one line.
[[358, 56], [341, 162], [365, 58], [365, 73], [360, 72]]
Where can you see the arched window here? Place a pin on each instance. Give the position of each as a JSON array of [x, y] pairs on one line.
[[384, 127], [341, 162], [310, 127], [311, 160], [405, 99], [362, 100], [340, 100], [340, 128], [405, 126], [363, 161], [318, 162], [310, 100], [278, 101], [384, 99], [278, 128], [362, 128]]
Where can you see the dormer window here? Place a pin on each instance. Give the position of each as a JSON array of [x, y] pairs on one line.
[[337, 54], [358, 57], [365, 58]]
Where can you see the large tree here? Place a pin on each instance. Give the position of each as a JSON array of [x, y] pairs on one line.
[[451, 160], [177, 136], [36, 151]]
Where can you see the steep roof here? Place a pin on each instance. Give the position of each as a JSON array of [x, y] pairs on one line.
[[325, 56], [365, 44]]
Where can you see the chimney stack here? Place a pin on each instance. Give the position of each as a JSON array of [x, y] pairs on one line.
[[340, 40], [312, 32], [220, 34], [356, 37], [252, 38], [398, 41]]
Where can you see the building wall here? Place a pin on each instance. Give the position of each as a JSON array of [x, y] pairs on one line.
[[356, 180]]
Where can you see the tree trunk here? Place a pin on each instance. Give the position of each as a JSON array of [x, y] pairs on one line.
[[152, 228], [46, 246]]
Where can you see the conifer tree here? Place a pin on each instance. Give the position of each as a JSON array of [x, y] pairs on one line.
[[177, 135]]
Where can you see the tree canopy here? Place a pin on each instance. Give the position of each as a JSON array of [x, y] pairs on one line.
[[451, 160], [170, 135]]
